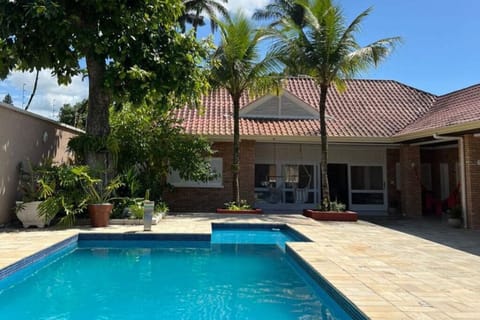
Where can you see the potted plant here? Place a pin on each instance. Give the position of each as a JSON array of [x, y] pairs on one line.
[[97, 196], [335, 212], [455, 217], [66, 198], [239, 208], [35, 186]]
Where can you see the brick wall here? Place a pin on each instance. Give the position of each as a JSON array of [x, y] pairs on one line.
[[472, 173], [393, 195], [411, 193], [208, 199]]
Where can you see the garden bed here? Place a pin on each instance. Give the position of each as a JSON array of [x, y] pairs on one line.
[[244, 211], [331, 215]]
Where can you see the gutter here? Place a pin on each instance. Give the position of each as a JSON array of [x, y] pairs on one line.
[[461, 160]]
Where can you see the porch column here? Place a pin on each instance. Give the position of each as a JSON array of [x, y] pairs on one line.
[[411, 193], [472, 179]]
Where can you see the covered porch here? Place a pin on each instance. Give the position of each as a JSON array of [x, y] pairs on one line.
[[436, 175], [287, 177]]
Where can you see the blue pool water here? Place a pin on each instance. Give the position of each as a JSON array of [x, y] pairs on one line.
[[244, 234], [99, 279]]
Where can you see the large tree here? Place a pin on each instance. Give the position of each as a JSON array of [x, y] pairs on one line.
[[239, 68], [130, 48], [326, 48], [195, 10], [153, 142]]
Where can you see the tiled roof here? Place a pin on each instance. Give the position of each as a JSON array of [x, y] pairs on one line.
[[368, 108], [458, 107]]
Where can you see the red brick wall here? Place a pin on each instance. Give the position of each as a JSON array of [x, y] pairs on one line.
[[208, 199], [393, 195], [472, 173], [411, 193]]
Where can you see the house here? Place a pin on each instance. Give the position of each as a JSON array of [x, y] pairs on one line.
[[392, 149]]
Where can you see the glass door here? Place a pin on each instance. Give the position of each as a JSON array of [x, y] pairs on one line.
[[299, 183], [367, 188]]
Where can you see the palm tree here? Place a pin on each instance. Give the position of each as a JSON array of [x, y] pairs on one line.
[[326, 48], [194, 9], [279, 9], [239, 69], [276, 12]]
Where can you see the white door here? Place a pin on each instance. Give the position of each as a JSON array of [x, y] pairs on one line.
[[367, 185]]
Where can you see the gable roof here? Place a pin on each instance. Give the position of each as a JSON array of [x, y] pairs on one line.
[[367, 109], [451, 110], [283, 106]]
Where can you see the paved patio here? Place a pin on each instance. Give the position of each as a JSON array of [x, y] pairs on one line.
[[406, 269]]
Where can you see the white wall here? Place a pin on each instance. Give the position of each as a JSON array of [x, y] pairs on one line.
[[309, 153], [25, 135]]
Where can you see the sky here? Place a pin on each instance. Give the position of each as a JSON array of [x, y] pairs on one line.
[[439, 52]]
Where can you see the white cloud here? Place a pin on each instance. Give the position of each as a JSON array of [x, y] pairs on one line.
[[247, 6], [49, 94]]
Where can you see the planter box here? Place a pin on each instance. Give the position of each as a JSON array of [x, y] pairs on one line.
[[28, 215], [251, 211], [331, 215]]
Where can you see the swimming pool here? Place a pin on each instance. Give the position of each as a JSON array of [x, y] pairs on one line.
[[164, 277], [277, 234]]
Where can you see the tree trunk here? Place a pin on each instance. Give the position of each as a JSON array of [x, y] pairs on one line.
[[325, 192], [236, 150], [196, 23], [98, 104]]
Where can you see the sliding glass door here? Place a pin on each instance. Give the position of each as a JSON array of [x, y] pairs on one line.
[[293, 185], [367, 188]]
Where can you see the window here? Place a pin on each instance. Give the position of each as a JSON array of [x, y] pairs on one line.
[[265, 175], [367, 178], [217, 168], [367, 185]]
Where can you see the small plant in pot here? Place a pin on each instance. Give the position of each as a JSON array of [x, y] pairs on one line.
[[98, 197]]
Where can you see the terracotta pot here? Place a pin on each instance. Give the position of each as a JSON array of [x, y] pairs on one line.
[[250, 211], [331, 215], [99, 214]]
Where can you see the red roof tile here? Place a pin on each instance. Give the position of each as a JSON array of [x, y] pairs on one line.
[[368, 108], [458, 107]]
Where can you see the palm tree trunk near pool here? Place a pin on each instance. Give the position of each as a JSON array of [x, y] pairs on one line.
[[325, 192], [236, 149]]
